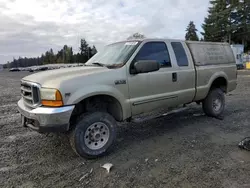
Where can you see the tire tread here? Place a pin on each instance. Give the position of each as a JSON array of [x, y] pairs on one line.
[[84, 120], [207, 103]]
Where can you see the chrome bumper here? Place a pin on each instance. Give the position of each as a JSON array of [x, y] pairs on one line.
[[44, 119]]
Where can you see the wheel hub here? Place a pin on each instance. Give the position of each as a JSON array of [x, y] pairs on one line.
[[96, 136], [217, 104]]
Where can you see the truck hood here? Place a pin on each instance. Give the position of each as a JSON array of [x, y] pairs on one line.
[[55, 77]]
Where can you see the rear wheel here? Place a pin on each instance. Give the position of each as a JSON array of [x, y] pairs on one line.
[[94, 135], [214, 104]]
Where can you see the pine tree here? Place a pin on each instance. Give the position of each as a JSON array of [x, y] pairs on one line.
[[217, 25], [67, 54], [71, 59], [51, 57], [94, 50], [191, 32], [228, 21], [242, 34], [46, 58], [84, 51]]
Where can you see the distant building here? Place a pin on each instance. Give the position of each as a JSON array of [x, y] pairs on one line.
[[1, 67]]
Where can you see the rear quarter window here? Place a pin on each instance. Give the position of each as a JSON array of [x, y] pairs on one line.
[[180, 54]]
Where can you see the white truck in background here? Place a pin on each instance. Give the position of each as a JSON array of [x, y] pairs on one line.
[[238, 51], [127, 78]]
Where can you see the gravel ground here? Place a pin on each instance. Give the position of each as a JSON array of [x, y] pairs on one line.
[[186, 149]]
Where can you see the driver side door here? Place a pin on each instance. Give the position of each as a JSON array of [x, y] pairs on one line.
[[152, 90]]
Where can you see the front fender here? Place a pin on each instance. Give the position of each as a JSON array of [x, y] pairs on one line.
[[94, 90]]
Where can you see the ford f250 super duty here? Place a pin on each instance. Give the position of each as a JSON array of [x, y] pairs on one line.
[[126, 79]]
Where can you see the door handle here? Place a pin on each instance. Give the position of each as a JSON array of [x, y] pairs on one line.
[[174, 76]]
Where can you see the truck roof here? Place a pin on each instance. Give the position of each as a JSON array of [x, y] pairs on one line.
[[176, 40]]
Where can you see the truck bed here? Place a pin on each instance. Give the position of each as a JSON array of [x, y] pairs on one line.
[[212, 61]]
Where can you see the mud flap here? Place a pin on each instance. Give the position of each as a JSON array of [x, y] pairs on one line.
[[23, 120]]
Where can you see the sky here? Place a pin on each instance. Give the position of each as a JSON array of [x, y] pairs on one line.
[[31, 27]]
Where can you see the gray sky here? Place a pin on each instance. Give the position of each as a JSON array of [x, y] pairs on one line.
[[31, 27]]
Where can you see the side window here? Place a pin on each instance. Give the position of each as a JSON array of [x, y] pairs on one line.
[[180, 54], [156, 51]]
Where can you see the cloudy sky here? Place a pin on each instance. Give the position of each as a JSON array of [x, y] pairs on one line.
[[31, 27]]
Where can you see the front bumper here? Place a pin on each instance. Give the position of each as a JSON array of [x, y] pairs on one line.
[[44, 119]]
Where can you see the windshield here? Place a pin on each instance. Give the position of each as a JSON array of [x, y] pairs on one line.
[[114, 55]]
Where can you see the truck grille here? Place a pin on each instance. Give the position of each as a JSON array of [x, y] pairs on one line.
[[30, 94]]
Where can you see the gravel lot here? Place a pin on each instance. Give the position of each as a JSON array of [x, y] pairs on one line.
[[186, 149]]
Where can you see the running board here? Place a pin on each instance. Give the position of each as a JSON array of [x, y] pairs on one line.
[[142, 119]]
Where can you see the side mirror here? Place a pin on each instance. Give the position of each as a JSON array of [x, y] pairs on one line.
[[145, 66]]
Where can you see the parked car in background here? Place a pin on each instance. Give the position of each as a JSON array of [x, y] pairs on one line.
[[43, 68], [14, 70], [238, 51]]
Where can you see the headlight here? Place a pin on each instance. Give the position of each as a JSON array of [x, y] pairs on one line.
[[51, 97]]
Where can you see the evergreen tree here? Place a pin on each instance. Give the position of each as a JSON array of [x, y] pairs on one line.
[[94, 51], [228, 21], [242, 34], [65, 55], [89, 53], [217, 25], [46, 58], [71, 54], [51, 56], [84, 51], [191, 32], [77, 58]]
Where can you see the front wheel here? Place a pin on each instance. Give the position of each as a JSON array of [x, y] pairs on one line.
[[94, 135], [214, 104]]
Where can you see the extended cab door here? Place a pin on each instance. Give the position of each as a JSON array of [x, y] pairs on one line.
[[157, 89], [185, 71]]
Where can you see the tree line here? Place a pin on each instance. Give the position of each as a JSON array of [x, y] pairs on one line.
[[227, 21], [65, 55]]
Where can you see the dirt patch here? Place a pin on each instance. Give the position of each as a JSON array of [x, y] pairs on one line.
[[187, 149]]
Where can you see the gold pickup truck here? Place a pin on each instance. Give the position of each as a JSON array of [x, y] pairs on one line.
[[126, 79]]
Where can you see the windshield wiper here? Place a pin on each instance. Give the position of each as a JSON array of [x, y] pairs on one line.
[[103, 65], [99, 64]]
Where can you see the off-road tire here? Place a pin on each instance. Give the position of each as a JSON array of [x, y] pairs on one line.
[[77, 135], [209, 103]]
